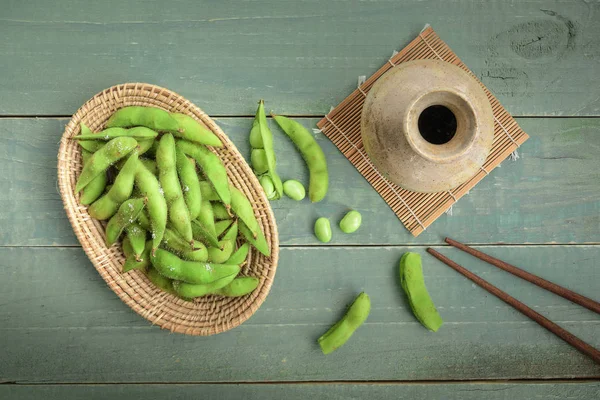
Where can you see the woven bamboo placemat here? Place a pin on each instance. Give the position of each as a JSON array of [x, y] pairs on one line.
[[416, 210]]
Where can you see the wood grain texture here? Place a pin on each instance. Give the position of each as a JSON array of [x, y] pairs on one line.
[[60, 323], [550, 195], [538, 57], [458, 391]]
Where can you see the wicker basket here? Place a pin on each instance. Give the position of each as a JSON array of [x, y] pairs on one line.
[[206, 315]]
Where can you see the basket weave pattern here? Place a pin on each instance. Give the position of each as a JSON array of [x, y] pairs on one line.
[[206, 315]]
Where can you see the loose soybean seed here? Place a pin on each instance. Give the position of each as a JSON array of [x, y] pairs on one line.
[[294, 190], [323, 230], [351, 222]]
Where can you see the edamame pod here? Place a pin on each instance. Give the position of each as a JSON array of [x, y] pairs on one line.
[[90, 145], [182, 248], [94, 189], [130, 261], [260, 242], [137, 239], [208, 192], [413, 283], [243, 209], [190, 290], [107, 205], [222, 225], [206, 218], [323, 230], [173, 267], [145, 145], [240, 255], [157, 205], [226, 246], [351, 222], [190, 184], [313, 156], [190, 129], [339, 333], [203, 234], [150, 117], [211, 166], [138, 133], [127, 214], [219, 211], [99, 162], [240, 286], [163, 283], [169, 181]]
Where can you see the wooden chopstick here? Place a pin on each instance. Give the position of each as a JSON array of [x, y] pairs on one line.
[[540, 319], [536, 280]]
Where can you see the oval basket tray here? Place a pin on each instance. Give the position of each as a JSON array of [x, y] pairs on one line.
[[206, 315]]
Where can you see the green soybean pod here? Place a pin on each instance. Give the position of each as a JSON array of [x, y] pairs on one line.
[[151, 165], [157, 205], [238, 287], [145, 145], [206, 218], [258, 159], [222, 225], [126, 215], [178, 245], [137, 239], [267, 184], [179, 215], [163, 283], [259, 243], [122, 188], [99, 162], [267, 145], [240, 255], [90, 145], [351, 222], [190, 184], [243, 209], [413, 283], [138, 133], [150, 117], [226, 246], [190, 290], [313, 156], [339, 333], [323, 230], [219, 211], [294, 190], [130, 260], [211, 166], [208, 192], [94, 189], [201, 233], [173, 267], [190, 129]]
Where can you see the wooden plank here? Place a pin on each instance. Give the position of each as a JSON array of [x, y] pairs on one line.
[[459, 391], [60, 323], [550, 195], [538, 57]]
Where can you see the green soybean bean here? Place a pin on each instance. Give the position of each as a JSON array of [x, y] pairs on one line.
[[219, 211], [323, 230], [190, 129], [203, 234], [179, 246], [339, 333], [259, 243], [243, 209], [267, 184], [173, 267], [130, 260], [104, 158], [138, 133], [294, 190], [266, 143], [413, 283], [149, 187], [313, 156], [208, 193], [169, 181], [222, 253], [190, 290], [163, 283], [137, 239], [222, 225], [150, 117], [107, 205], [126, 215], [94, 189], [190, 184], [240, 255], [240, 286], [351, 222], [258, 159], [211, 166]]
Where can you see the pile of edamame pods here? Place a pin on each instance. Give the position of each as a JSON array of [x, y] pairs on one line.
[[180, 226]]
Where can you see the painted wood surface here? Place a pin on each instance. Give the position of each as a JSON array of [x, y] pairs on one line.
[[537, 57], [458, 391], [550, 195], [59, 322]]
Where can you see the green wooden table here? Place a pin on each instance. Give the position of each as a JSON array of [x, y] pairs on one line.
[[65, 335]]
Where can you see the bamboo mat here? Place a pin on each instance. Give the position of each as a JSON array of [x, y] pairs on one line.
[[416, 210]]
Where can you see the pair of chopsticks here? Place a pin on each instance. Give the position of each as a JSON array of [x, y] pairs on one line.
[[536, 280]]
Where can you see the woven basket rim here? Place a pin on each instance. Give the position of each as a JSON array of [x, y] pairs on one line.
[[207, 315]]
